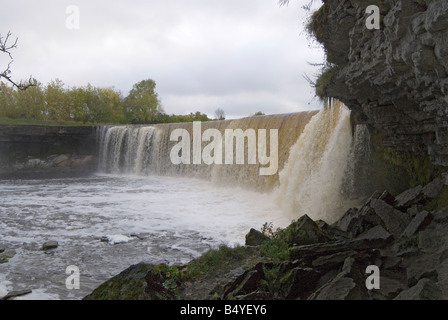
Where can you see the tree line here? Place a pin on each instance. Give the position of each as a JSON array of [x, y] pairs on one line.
[[88, 104]]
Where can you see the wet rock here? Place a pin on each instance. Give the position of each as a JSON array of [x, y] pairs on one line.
[[425, 289], [15, 294], [7, 254], [49, 245], [255, 238]]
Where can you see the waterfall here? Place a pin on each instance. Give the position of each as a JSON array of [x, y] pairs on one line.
[[145, 150], [312, 180], [313, 156]]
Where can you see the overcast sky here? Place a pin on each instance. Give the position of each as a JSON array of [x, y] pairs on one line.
[[242, 56]]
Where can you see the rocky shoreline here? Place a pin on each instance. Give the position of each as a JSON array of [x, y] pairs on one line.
[[402, 238]]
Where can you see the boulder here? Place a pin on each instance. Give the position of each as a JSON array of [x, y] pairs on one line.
[[304, 231], [49, 245], [432, 189], [424, 266], [299, 283], [244, 284], [421, 220], [14, 294], [409, 197], [6, 255], [255, 238], [341, 288], [425, 289], [62, 160], [393, 220]]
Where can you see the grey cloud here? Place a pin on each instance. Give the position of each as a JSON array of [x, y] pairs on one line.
[[243, 56]]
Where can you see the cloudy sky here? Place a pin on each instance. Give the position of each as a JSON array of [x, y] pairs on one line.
[[242, 56]]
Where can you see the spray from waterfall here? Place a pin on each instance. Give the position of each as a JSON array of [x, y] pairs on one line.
[[311, 182]]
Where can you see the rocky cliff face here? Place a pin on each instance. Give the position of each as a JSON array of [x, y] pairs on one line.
[[394, 79], [46, 149]]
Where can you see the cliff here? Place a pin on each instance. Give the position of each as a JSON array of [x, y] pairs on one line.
[[395, 80], [36, 150]]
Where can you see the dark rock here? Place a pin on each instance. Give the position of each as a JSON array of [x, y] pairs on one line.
[[341, 288], [138, 282], [432, 238], [393, 220], [389, 289], [333, 261], [255, 238], [409, 197], [299, 283], [15, 294], [441, 216], [256, 295], [6, 255], [49, 245], [424, 266], [421, 220], [425, 289], [348, 220], [244, 284], [387, 197], [432, 190], [391, 262], [373, 239], [304, 231]]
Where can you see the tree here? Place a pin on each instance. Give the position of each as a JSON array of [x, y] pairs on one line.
[[5, 47], [259, 113], [220, 114], [58, 106], [142, 105]]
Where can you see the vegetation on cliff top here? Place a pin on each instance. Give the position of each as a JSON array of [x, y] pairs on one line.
[[55, 102]]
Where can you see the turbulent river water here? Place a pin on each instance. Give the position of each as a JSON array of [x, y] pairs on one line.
[[152, 219]]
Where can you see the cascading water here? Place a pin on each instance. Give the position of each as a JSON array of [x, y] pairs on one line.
[[314, 151], [312, 181]]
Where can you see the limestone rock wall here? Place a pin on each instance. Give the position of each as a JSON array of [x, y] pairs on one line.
[[394, 79]]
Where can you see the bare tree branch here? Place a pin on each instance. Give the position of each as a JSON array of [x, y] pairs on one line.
[[6, 47]]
